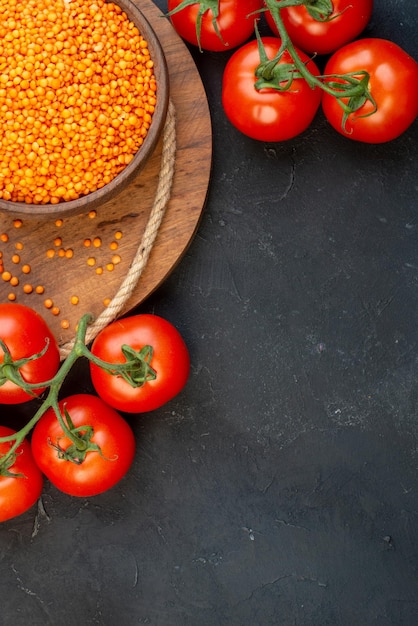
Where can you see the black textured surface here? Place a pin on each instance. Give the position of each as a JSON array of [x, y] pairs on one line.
[[280, 488]]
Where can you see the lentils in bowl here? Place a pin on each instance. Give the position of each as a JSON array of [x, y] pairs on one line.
[[83, 101]]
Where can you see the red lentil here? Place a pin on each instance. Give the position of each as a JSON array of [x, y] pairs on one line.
[[76, 104]]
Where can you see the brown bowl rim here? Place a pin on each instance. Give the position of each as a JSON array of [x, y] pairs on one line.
[[121, 181]]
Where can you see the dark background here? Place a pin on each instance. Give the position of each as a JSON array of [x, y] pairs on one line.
[[280, 487]]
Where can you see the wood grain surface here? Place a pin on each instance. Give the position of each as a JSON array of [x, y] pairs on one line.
[[65, 272]]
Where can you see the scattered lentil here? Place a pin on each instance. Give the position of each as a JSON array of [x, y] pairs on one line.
[[26, 269]]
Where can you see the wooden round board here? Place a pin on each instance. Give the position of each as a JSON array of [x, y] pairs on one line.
[[58, 255]]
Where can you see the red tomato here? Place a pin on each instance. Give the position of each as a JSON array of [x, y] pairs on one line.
[[347, 20], [235, 22], [25, 333], [393, 85], [267, 114], [170, 360], [18, 494], [99, 470]]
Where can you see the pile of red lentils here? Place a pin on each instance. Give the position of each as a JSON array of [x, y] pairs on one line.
[[77, 94]]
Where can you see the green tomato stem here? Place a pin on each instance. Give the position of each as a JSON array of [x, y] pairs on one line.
[[204, 6], [353, 86], [136, 370]]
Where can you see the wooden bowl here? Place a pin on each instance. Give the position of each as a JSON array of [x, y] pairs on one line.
[[94, 199]]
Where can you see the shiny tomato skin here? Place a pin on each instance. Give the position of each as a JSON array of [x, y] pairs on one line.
[[19, 494], [234, 21], [170, 360], [97, 472], [25, 332], [348, 20], [393, 85], [267, 115]]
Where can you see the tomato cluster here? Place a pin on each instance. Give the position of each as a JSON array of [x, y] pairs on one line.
[[81, 443], [272, 89]]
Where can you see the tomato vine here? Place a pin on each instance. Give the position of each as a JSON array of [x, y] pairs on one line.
[[353, 86], [136, 370]]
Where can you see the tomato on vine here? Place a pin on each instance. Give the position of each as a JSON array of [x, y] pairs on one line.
[[267, 101], [323, 26], [393, 87], [156, 357], [28, 353], [88, 450], [21, 480], [214, 25]]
